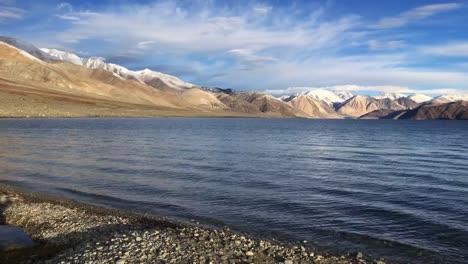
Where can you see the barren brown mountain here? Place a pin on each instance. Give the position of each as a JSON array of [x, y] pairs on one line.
[[255, 102], [383, 114], [40, 88], [454, 110], [313, 108], [361, 105], [37, 85]]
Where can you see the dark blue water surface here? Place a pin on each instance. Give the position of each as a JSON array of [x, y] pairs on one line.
[[393, 189]]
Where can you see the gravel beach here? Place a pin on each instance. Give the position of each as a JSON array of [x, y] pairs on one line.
[[71, 232]]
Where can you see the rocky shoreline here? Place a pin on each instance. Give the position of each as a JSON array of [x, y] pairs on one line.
[[71, 232]]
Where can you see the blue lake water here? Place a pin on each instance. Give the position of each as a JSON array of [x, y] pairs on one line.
[[390, 188]]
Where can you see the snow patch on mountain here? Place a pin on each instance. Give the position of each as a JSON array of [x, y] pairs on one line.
[[345, 95], [152, 78], [391, 96], [329, 97], [148, 75], [63, 56], [449, 99], [420, 98]]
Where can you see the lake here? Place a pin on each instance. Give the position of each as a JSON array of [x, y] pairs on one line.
[[390, 188]]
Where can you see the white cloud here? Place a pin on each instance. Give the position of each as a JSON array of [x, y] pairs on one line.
[[385, 45], [68, 17], [238, 48], [262, 9], [415, 14], [10, 13], [249, 59], [450, 50], [364, 70], [379, 89], [145, 44], [205, 29], [65, 7]]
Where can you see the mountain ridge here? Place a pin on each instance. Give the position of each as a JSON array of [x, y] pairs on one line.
[[52, 71]]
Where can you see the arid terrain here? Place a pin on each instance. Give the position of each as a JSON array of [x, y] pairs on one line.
[[51, 83]]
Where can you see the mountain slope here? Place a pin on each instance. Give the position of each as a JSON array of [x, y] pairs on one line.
[[27, 47], [326, 96], [152, 78], [443, 99], [20, 68], [454, 110], [360, 105], [255, 102], [202, 99], [101, 85], [406, 102], [313, 108], [383, 114], [63, 56], [419, 98]]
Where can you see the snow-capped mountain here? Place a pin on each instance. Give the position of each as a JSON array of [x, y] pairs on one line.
[[419, 98], [391, 96], [345, 95], [328, 96], [63, 56], [27, 47], [152, 78], [99, 63], [449, 98], [147, 76]]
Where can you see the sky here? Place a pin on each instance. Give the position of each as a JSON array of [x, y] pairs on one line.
[[281, 47]]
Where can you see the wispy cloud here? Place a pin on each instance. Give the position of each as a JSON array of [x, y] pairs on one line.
[[262, 9], [249, 59], [415, 14], [145, 44], [65, 11], [381, 89], [451, 50], [205, 29], [65, 7], [252, 46], [7, 13], [69, 17], [385, 45]]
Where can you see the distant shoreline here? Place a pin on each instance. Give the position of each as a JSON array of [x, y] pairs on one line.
[[68, 230]]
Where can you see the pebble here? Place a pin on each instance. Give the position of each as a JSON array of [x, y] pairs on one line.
[[110, 238], [3, 200]]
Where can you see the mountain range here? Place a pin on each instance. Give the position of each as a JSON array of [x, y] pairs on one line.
[[45, 82]]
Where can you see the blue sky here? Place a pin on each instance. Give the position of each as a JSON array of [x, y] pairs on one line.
[[276, 46]]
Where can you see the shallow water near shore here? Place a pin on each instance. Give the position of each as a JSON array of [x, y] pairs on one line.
[[13, 237], [392, 189]]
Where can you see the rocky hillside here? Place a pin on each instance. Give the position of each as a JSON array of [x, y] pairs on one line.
[[453, 110], [34, 80], [361, 105]]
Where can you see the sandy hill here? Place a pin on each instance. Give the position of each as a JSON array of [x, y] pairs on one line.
[[361, 105], [202, 99], [313, 108]]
